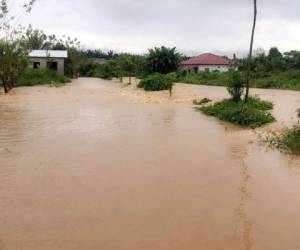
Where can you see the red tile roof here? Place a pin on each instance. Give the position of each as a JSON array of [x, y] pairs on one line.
[[207, 59]]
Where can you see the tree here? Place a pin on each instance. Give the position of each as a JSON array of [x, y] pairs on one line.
[[74, 55], [248, 76], [235, 85], [35, 39], [126, 66], [292, 59], [163, 60], [13, 54], [274, 53]]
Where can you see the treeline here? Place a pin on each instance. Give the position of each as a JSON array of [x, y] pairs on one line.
[[98, 54], [262, 64], [161, 60]]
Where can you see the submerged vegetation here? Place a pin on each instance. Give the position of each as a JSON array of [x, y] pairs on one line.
[[252, 114], [202, 101], [157, 82], [288, 141], [33, 77]]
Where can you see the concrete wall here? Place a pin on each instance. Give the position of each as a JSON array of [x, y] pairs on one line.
[[43, 63], [195, 68]]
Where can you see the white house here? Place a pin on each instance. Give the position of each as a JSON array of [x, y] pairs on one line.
[[206, 61], [52, 59]]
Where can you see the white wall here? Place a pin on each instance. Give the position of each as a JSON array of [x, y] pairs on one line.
[[43, 63], [221, 68]]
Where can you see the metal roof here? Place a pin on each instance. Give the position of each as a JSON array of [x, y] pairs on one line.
[[207, 59], [49, 53]]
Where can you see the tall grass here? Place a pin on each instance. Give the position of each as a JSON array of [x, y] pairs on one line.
[[288, 79], [288, 141], [32, 77], [252, 114]]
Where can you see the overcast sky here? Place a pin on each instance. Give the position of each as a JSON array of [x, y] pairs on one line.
[[193, 26]]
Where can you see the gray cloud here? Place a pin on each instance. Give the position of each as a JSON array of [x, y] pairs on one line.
[[193, 26]]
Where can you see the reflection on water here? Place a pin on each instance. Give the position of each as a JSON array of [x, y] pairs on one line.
[[97, 166], [239, 153]]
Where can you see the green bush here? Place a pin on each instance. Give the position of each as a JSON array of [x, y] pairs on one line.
[[288, 141], [252, 114], [172, 77], [236, 85], [87, 68], [105, 71], [32, 77], [157, 82]]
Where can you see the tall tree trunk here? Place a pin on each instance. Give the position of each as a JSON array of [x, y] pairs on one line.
[[250, 52], [171, 91], [5, 86]]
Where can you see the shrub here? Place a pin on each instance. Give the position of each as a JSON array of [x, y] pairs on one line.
[[172, 77], [288, 141], [33, 77], [87, 68], [157, 82], [201, 102], [235, 85], [252, 114], [105, 71]]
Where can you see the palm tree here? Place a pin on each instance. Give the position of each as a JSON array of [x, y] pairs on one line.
[[163, 60], [250, 52]]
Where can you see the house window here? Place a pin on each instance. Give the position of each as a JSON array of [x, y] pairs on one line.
[[36, 65], [52, 65], [196, 70]]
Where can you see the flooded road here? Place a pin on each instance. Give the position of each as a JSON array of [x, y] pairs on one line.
[[94, 166]]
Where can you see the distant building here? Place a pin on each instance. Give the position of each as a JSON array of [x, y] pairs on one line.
[[51, 59], [206, 62]]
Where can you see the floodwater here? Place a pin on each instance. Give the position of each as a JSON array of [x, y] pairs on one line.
[[95, 165]]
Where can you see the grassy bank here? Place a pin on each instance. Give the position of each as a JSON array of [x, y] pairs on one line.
[[288, 79], [252, 114], [287, 141], [32, 77]]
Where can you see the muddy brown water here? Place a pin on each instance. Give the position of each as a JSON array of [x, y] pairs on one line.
[[94, 165]]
